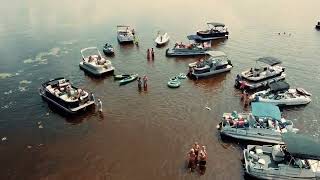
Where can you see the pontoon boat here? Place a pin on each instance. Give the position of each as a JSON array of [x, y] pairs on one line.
[[95, 64], [61, 93]]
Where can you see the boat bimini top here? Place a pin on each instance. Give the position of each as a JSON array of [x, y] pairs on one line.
[[87, 49], [260, 109], [302, 146], [215, 24], [269, 60], [216, 53], [279, 86]]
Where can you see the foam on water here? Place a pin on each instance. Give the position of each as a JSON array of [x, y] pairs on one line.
[[5, 75], [42, 57], [8, 92]]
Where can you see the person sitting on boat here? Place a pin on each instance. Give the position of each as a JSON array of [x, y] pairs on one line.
[[176, 45], [90, 59], [192, 158]]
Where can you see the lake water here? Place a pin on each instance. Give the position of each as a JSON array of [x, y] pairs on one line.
[[141, 135]]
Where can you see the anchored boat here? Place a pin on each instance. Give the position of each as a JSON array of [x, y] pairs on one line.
[[108, 49], [62, 94], [215, 62], [162, 39], [95, 64], [280, 94], [125, 34], [261, 76], [297, 159], [192, 49], [263, 124], [128, 79], [214, 31]]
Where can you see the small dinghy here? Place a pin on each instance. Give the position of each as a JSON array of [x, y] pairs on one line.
[[162, 39], [174, 82], [121, 76], [128, 79], [182, 76], [108, 49]]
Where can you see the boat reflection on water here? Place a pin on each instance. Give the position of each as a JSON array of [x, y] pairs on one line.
[[211, 82]]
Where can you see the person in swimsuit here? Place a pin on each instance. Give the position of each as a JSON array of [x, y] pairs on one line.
[[192, 158], [196, 149], [202, 160]]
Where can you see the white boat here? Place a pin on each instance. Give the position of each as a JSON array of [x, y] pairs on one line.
[[162, 39], [125, 34], [298, 159], [264, 124], [215, 62], [95, 64], [260, 76], [280, 94]]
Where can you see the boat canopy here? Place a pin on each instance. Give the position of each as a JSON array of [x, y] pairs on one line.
[[215, 24], [302, 146], [279, 86], [87, 49], [193, 37], [216, 53], [270, 60], [266, 110], [119, 26]]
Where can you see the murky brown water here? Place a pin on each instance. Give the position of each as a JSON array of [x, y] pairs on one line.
[[141, 135]]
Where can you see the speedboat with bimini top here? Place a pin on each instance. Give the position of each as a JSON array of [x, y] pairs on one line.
[[192, 49], [95, 64], [162, 39], [215, 62], [261, 75], [128, 79], [61, 93], [264, 124], [108, 49], [215, 31], [125, 34], [298, 159], [280, 94]]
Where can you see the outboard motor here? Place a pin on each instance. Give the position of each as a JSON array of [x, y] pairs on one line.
[[229, 62]]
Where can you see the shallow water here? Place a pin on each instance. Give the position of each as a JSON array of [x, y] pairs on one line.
[[141, 135]]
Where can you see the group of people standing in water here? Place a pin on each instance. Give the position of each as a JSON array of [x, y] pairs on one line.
[[197, 157], [150, 53], [145, 80]]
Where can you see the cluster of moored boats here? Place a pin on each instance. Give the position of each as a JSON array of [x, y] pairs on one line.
[[291, 155]]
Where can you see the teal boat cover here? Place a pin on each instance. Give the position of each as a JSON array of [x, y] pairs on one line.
[[260, 109], [302, 146]]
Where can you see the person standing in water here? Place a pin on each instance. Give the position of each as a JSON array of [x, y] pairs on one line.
[[202, 160], [139, 83], [148, 54], [192, 159], [152, 53], [196, 148], [145, 79], [99, 105]]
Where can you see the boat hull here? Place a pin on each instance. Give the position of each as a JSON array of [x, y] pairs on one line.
[[249, 85], [211, 73], [95, 72], [172, 53], [67, 110]]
